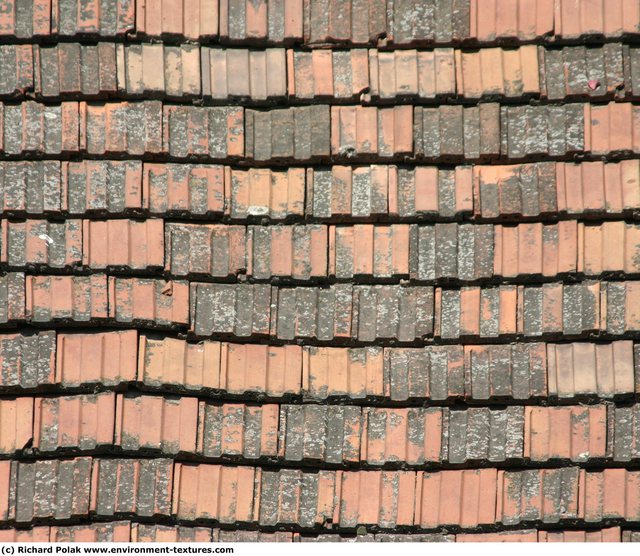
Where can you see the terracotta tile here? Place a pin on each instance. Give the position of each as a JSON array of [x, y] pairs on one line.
[[103, 126], [83, 422], [572, 433], [412, 73], [176, 363], [194, 189], [119, 531], [52, 489], [141, 532], [328, 372], [168, 425], [594, 17], [205, 250], [577, 71], [225, 494], [298, 133], [66, 298], [611, 534], [18, 179], [16, 424], [98, 187], [500, 19], [241, 310], [107, 358], [503, 536], [162, 303], [123, 243], [299, 252], [36, 534], [610, 494], [518, 371], [155, 69], [132, 486], [273, 370], [547, 495], [195, 131], [256, 75], [189, 19], [496, 71], [612, 128], [465, 498], [266, 193], [392, 312]]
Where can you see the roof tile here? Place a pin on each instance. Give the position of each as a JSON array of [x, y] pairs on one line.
[[41, 243], [353, 372], [16, 424], [125, 486], [581, 71], [159, 70], [196, 190], [261, 192], [412, 73], [392, 312], [71, 69], [17, 69], [66, 298], [134, 245], [240, 310], [84, 422], [610, 494], [27, 360], [322, 313], [299, 252], [189, 20], [250, 21], [369, 250], [465, 498], [546, 495], [346, 191], [155, 302], [211, 132], [163, 424], [210, 250], [497, 72], [432, 372], [54, 489], [583, 369], [455, 132], [240, 73], [298, 133], [366, 131], [498, 19], [572, 433], [106, 358], [224, 494], [246, 431], [340, 74], [96, 187]]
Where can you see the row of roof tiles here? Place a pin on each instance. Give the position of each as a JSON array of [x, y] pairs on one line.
[[474, 373], [327, 21], [110, 187], [362, 313], [466, 252], [319, 132], [320, 499], [69, 70], [125, 531], [425, 253], [332, 434]]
